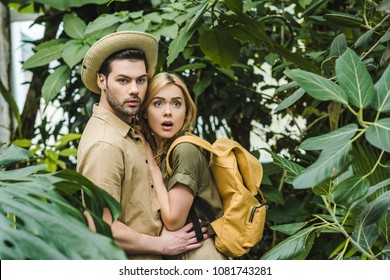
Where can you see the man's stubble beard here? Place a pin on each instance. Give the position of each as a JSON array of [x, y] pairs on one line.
[[118, 106]]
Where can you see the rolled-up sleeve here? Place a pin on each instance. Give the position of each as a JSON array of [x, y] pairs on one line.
[[187, 163]]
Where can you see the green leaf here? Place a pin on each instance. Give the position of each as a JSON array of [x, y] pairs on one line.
[[198, 16], [68, 152], [354, 78], [153, 17], [365, 38], [386, 252], [44, 56], [135, 26], [234, 5], [374, 210], [64, 5], [378, 134], [289, 229], [24, 143], [366, 230], [381, 100], [337, 137], [291, 168], [317, 86], [291, 247], [178, 44], [385, 5], [169, 31], [290, 100], [14, 154], [339, 45], [343, 19], [201, 85], [74, 26], [74, 52], [351, 189], [101, 23], [191, 66], [65, 139], [330, 163], [213, 43], [55, 82], [21, 173], [384, 226], [365, 236]]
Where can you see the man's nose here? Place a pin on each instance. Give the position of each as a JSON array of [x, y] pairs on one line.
[[133, 88]]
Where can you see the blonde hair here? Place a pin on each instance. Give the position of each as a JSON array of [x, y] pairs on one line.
[[158, 82]]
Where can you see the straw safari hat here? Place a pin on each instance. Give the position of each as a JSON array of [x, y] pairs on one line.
[[113, 43]]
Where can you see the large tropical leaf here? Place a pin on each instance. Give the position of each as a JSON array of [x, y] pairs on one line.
[[291, 168], [13, 155], [179, 43], [290, 100], [213, 43], [366, 230], [55, 82], [330, 163], [354, 78], [317, 86], [378, 134], [291, 247], [74, 52], [64, 5], [42, 215], [44, 56], [74, 26], [335, 138], [381, 100], [350, 190]]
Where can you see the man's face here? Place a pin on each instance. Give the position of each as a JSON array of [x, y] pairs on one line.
[[125, 87]]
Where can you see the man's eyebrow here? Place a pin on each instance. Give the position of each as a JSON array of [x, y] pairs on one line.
[[128, 77]]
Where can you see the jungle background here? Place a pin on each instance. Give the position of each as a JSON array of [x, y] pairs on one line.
[[307, 79]]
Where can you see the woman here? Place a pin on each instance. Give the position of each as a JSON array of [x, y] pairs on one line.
[[167, 113]]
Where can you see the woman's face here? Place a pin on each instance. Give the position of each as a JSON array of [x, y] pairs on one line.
[[167, 112]]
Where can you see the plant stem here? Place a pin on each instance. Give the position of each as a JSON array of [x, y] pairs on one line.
[[342, 230]]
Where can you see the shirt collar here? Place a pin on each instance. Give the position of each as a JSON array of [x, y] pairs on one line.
[[111, 119]]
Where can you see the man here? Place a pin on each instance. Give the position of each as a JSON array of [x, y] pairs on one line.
[[111, 153]]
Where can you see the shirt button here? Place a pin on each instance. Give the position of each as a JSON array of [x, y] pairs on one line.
[[152, 186], [146, 161]]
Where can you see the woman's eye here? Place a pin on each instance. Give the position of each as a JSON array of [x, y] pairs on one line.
[[158, 104], [176, 104]]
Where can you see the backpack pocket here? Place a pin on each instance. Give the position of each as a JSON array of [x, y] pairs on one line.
[[254, 226]]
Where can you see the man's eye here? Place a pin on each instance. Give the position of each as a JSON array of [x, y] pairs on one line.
[[141, 80], [122, 81]]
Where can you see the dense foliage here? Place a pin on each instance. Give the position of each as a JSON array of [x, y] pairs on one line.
[[321, 67]]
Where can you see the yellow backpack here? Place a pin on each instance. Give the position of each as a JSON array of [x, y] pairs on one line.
[[238, 175]]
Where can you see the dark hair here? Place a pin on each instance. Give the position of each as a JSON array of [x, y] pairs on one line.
[[130, 54]]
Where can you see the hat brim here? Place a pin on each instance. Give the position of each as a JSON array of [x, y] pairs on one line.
[[112, 43]]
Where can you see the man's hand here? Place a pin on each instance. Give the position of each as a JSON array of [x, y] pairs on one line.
[[180, 241]]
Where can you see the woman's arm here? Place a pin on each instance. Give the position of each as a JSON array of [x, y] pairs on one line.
[[175, 204]]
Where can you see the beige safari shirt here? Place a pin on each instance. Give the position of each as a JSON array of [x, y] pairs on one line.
[[113, 157]]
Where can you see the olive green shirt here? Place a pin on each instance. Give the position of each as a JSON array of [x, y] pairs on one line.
[[190, 167], [113, 157]]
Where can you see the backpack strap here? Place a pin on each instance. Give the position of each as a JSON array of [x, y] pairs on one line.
[[188, 139], [203, 207], [195, 221]]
